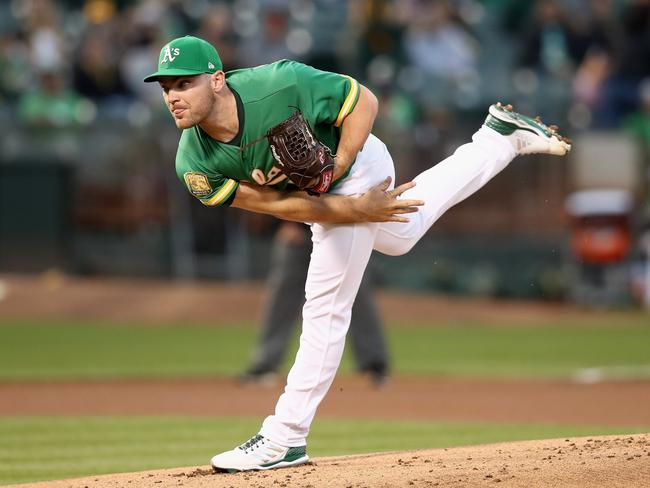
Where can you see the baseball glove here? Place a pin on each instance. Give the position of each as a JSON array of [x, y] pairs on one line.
[[306, 161]]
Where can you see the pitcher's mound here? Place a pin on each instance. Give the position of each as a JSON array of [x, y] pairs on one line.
[[611, 461]]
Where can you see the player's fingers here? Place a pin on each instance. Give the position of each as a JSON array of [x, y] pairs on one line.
[[403, 210], [395, 218], [383, 186], [403, 187], [410, 203]]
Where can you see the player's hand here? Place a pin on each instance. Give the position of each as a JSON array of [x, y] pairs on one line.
[[379, 204], [338, 171]]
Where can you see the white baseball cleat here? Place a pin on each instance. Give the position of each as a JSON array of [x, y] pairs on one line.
[[527, 135], [259, 453]]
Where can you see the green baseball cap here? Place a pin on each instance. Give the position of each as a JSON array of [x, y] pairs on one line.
[[186, 56]]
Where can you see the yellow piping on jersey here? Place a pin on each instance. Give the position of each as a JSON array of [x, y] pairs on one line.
[[221, 195], [349, 101]]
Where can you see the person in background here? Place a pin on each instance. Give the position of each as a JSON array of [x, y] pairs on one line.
[[52, 104], [289, 264]]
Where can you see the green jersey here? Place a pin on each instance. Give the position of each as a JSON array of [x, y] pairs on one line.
[[265, 96]]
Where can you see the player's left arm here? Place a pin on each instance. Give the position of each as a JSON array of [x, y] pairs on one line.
[[355, 129]]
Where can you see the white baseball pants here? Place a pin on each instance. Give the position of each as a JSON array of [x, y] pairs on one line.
[[341, 253]]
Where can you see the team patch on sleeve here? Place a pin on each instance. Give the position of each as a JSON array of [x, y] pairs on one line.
[[350, 101], [198, 184]]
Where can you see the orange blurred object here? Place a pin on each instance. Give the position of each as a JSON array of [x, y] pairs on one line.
[[99, 11], [601, 240]]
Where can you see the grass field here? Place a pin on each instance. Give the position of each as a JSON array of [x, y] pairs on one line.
[[88, 350], [59, 447], [33, 448]]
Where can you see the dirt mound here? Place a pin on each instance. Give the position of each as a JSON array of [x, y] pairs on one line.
[[612, 461], [154, 301]]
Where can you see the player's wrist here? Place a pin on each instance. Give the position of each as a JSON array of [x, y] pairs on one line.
[[361, 209], [341, 164]]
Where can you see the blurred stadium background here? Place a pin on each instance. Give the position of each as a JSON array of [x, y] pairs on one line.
[[87, 185]]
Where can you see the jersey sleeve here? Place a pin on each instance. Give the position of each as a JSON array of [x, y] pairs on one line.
[[211, 188], [328, 98]]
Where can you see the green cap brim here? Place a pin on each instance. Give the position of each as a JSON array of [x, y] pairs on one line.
[[172, 72]]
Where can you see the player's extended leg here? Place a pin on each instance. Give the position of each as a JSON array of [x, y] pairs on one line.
[[504, 135]]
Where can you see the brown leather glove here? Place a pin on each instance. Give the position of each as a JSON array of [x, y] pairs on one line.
[[306, 161]]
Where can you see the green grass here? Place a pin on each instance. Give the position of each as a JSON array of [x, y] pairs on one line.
[[41, 448], [542, 351], [89, 350]]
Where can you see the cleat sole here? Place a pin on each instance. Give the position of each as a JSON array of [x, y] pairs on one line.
[[550, 132]]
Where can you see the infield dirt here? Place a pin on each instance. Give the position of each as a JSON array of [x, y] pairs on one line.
[[429, 399], [612, 461]]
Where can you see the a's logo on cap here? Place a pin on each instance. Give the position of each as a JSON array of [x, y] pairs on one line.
[[210, 65], [170, 54]]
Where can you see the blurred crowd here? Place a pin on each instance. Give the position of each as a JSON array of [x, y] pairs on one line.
[[587, 62], [71, 94]]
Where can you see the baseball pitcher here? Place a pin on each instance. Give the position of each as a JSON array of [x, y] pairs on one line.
[[288, 140]]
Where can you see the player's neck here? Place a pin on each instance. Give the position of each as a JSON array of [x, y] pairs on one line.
[[222, 124]]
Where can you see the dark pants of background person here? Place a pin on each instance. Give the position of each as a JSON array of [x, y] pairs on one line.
[[286, 283]]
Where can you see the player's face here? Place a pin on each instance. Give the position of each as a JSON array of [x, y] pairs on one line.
[[188, 98]]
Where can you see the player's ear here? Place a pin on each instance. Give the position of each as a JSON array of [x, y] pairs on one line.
[[217, 80]]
